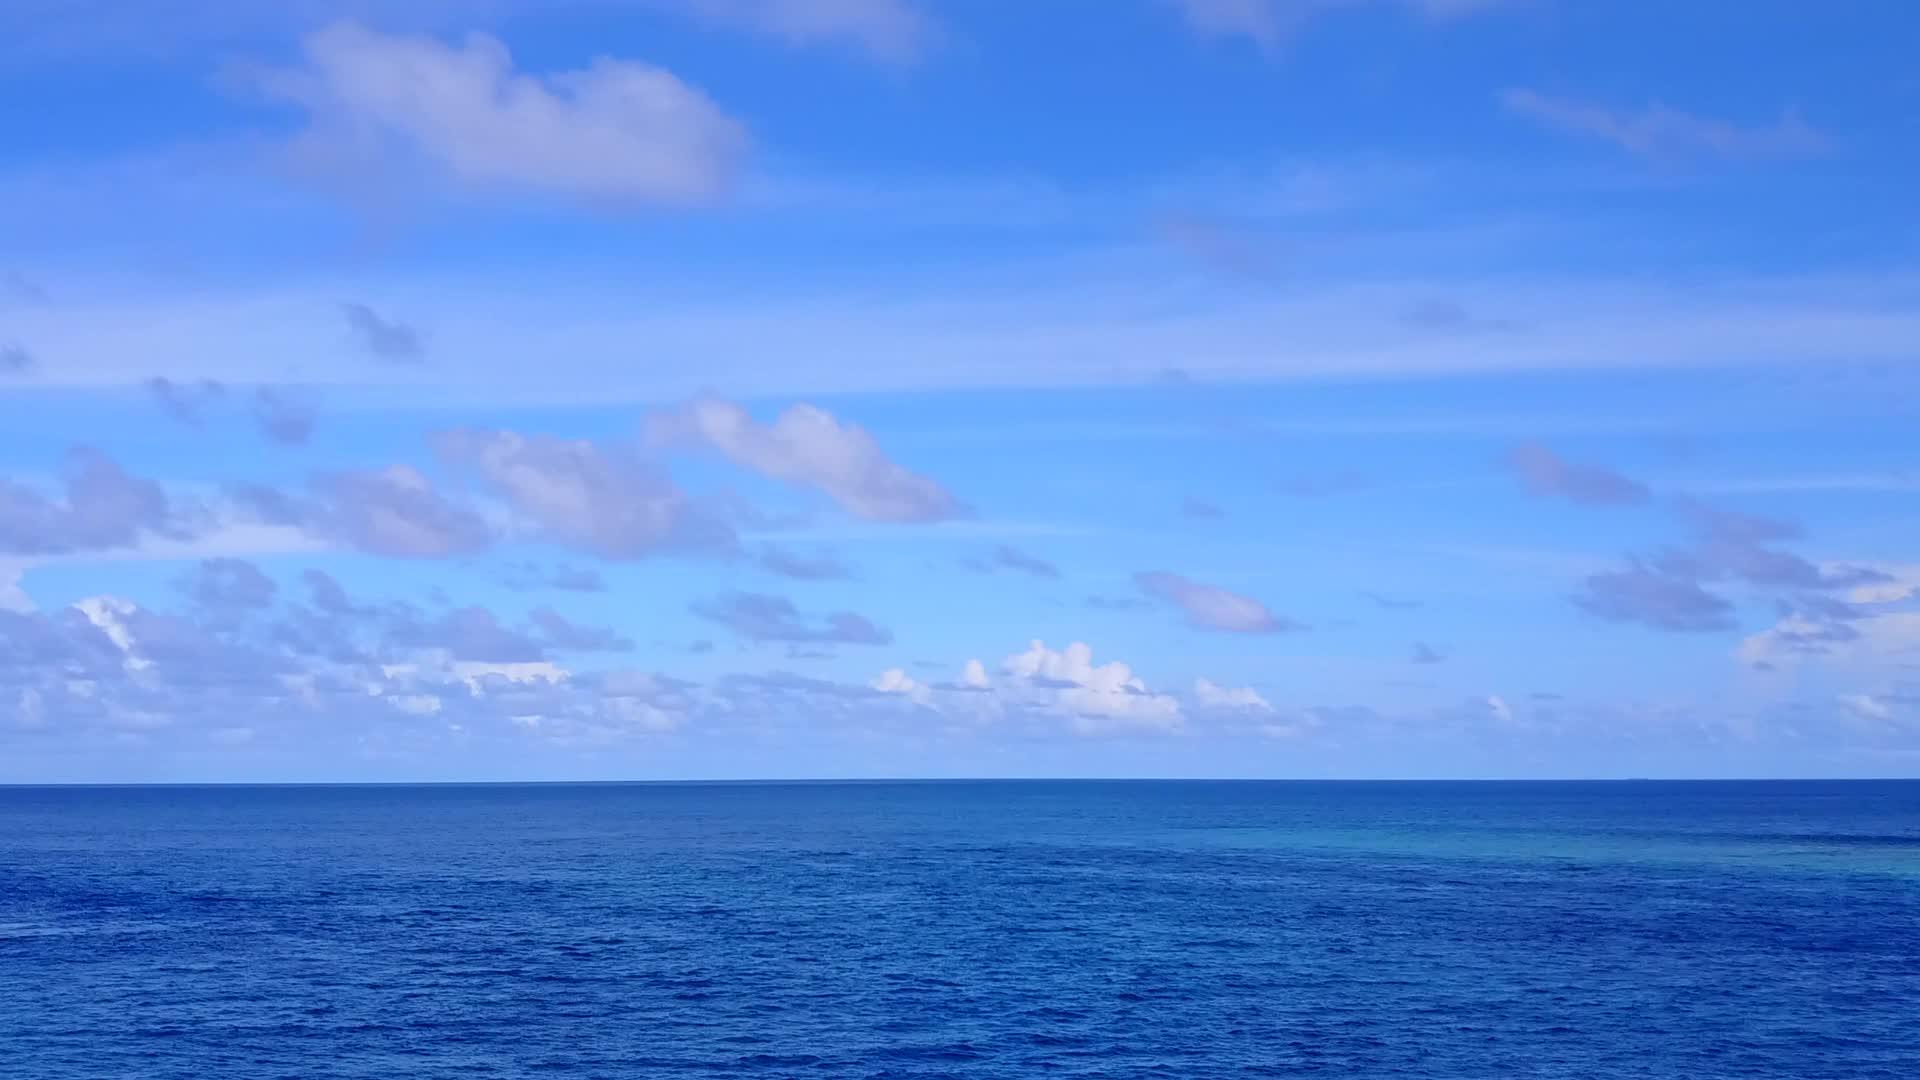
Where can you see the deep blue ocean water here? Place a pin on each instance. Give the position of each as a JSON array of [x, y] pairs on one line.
[[963, 929]]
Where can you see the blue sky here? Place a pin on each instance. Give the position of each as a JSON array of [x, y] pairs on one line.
[[481, 389]]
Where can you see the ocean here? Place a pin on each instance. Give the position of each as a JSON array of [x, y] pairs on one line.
[[983, 930]]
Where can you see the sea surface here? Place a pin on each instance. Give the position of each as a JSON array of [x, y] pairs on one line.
[[986, 930]]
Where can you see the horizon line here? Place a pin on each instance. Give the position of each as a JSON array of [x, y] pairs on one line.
[[932, 780]]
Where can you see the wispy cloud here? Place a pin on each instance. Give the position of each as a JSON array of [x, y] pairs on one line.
[[1210, 607], [892, 31], [821, 566], [1008, 557], [766, 617], [1272, 23], [1053, 335], [1547, 474], [808, 446], [1660, 131]]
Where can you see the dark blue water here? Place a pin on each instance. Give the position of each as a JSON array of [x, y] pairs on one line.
[[979, 930]]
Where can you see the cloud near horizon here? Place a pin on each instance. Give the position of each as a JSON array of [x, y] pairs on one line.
[[488, 388]]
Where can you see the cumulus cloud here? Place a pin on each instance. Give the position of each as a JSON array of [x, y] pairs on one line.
[[185, 402], [1006, 557], [1544, 473], [1212, 695], [100, 506], [383, 338], [897, 682], [807, 446], [1210, 607], [601, 497], [1060, 688], [109, 668], [1660, 131], [616, 131], [282, 416], [765, 617], [1094, 698]]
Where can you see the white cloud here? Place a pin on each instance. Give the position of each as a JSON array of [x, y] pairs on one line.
[[1660, 131], [110, 614], [1867, 707], [1048, 685], [896, 681], [1903, 583], [616, 131], [1096, 698], [807, 446], [1498, 708], [475, 672], [1214, 696], [1211, 607], [1873, 641], [1297, 728]]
